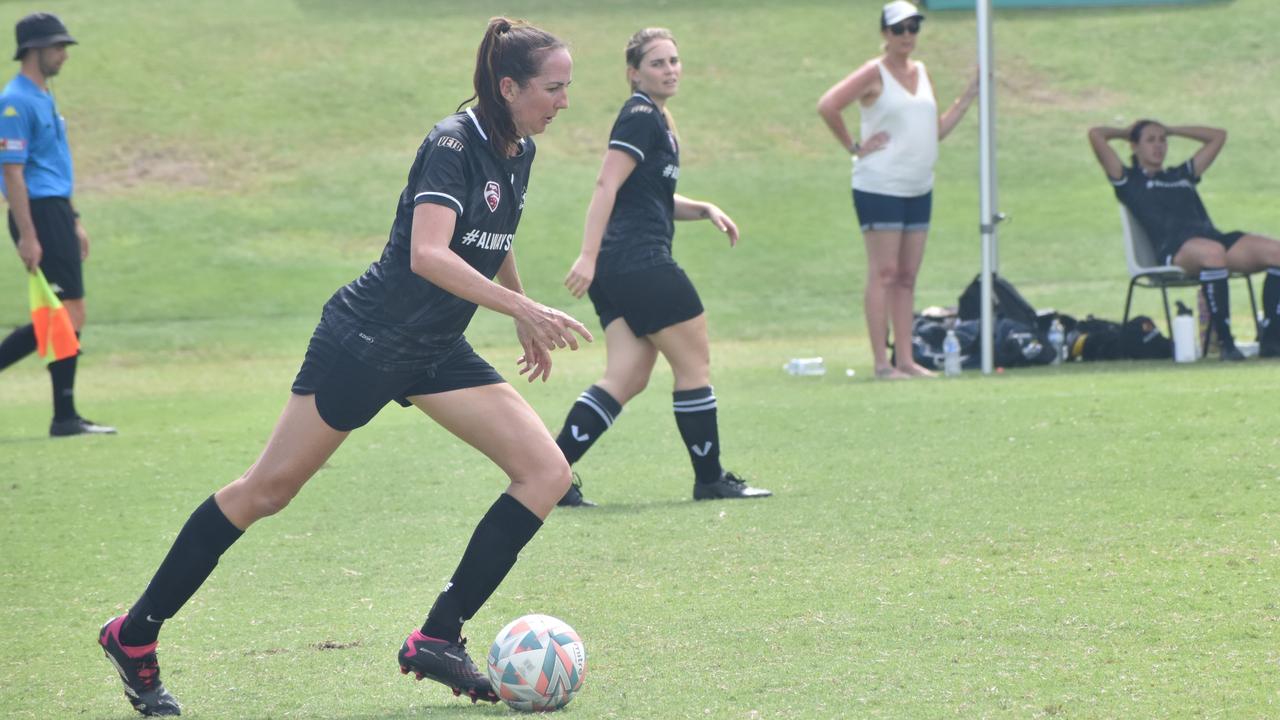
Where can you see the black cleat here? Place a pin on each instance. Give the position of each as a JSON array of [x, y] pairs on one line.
[[78, 426], [727, 487], [140, 672], [573, 497], [447, 663]]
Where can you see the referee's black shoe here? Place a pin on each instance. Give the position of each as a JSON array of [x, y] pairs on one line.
[[573, 497], [447, 663], [78, 426], [728, 487]]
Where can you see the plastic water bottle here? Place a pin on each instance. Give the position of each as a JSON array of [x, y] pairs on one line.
[[805, 366], [951, 354], [1184, 335], [1057, 340]]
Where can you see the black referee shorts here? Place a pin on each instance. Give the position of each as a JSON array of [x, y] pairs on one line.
[[60, 260], [349, 393], [648, 300]]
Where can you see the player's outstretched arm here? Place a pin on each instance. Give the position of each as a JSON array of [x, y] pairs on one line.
[[431, 258], [536, 360], [687, 209]]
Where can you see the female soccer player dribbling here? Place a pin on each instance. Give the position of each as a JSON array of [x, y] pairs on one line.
[[645, 301], [395, 333]]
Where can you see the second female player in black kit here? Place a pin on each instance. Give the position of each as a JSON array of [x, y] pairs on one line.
[[645, 301], [395, 333]]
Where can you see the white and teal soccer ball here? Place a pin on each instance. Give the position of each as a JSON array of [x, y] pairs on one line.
[[537, 663]]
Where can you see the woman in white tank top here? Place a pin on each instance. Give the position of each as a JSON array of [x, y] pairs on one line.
[[893, 175]]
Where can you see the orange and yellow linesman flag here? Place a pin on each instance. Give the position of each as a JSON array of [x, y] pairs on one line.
[[55, 335]]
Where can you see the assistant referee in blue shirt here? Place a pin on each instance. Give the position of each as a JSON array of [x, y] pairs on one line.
[[37, 182]]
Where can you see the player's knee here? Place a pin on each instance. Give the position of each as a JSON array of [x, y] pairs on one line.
[[268, 496], [632, 387], [549, 472]]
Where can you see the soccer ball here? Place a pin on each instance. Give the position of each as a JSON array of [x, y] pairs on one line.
[[537, 663]]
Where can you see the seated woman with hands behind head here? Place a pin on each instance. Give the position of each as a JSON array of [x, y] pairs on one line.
[[1167, 206]]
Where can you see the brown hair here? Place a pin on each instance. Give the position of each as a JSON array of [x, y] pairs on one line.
[[514, 49], [637, 46]]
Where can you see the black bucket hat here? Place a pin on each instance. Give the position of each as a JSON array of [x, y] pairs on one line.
[[40, 30]]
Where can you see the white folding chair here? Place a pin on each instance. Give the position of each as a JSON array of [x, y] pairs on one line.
[[1146, 269]]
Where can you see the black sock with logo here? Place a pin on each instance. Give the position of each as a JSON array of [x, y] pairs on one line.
[[19, 344], [206, 536], [696, 418], [1213, 281], [1271, 305], [592, 414], [496, 543]]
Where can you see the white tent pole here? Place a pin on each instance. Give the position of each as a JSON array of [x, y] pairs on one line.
[[987, 180]]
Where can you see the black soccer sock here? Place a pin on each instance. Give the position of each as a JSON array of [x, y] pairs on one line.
[[1271, 304], [498, 538], [63, 375], [206, 536], [590, 416], [696, 418], [19, 344], [1213, 281]]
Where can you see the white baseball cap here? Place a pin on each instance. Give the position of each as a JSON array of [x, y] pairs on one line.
[[897, 11]]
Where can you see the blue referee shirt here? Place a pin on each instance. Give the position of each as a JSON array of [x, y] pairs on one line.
[[34, 135]]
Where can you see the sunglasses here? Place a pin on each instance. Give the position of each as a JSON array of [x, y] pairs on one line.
[[906, 26]]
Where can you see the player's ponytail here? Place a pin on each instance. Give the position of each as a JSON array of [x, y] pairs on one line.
[[514, 49], [637, 46]]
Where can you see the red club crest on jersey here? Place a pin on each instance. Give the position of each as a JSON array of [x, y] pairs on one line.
[[492, 194]]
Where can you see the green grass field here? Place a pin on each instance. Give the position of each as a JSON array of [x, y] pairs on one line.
[[1085, 542]]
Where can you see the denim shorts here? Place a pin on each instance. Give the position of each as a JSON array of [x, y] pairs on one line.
[[888, 212]]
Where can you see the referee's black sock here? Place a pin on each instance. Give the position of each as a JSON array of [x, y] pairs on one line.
[[696, 418], [1271, 304], [207, 534], [590, 416], [19, 344], [498, 538], [62, 373], [1218, 297]]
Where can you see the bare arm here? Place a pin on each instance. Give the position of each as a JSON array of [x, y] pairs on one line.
[[859, 84], [954, 114], [686, 209], [614, 171], [542, 327], [1213, 139], [1100, 138], [29, 249]]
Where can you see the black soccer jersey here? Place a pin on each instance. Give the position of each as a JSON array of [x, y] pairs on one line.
[[392, 318], [1166, 204], [642, 224]]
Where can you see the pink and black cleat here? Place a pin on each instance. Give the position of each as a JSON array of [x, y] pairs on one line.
[[140, 671], [447, 663]]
